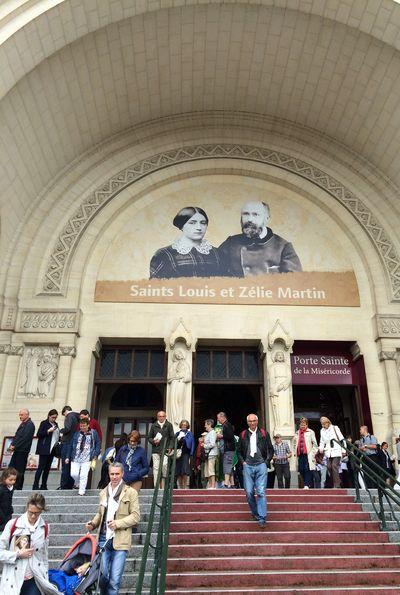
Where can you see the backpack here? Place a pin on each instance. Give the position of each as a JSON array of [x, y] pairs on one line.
[[14, 526]]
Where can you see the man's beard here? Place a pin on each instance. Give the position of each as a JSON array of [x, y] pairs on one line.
[[251, 230]]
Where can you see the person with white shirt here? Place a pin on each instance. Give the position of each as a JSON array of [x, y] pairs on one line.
[[332, 450], [118, 512], [159, 431], [255, 452]]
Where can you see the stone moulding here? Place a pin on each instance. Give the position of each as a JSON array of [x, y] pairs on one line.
[[56, 272], [388, 326], [9, 349], [50, 321]]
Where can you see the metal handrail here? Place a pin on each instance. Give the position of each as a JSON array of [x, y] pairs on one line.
[[158, 575], [378, 475]]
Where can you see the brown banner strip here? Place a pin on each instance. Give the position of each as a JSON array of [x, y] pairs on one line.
[[291, 289]]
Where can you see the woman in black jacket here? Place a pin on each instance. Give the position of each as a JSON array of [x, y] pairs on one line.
[[48, 436], [7, 482]]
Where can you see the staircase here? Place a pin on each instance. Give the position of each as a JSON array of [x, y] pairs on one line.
[[67, 514], [314, 541]]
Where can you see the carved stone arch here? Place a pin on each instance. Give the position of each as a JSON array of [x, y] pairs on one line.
[[55, 277], [180, 334]]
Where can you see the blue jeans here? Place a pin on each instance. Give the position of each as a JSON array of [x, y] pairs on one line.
[[304, 470], [255, 478], [112, 568]]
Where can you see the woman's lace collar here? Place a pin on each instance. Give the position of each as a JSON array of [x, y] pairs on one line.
[[183, 246]]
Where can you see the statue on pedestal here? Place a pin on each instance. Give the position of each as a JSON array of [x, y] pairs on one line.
[[179, 379], [279, 384]]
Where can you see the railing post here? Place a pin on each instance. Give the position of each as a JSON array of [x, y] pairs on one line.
[[381, 509]]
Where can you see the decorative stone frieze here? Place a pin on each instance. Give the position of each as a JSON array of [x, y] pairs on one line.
[[50, 321], [54, 278], [9, 349], [388, 325]]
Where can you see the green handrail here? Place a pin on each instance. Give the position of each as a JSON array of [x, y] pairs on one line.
[[158, 575], [378, 475]]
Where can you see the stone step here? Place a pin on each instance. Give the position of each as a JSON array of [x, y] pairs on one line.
[[71, 527], [301, 563], [68, 539], [260, 535], [233, 496], [229, 515], [81, 517], [273, 526], [288, 578], [273, 506], [380, 590]]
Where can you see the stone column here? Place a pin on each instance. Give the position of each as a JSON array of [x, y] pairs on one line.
[[179, 376], [12, 362], [66, 353], [388, 345]]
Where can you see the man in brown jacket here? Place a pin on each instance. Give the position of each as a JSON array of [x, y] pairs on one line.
[[118, 512]]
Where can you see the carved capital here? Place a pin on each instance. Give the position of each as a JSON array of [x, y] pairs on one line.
[[387, 355], [9, 349], [53, 321], [387, 325], [69, 350]]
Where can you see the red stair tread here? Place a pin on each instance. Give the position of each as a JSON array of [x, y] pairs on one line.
[[314, 541]]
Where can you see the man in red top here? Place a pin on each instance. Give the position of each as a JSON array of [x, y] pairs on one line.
[[93, 423]]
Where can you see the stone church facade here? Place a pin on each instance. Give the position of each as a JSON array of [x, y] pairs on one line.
[[116, 115]]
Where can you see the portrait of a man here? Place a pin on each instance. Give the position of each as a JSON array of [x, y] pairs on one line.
[[257, 250]]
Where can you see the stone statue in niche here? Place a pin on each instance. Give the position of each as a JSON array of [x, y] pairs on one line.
[[280, 381], [38, 373], [179, 377]]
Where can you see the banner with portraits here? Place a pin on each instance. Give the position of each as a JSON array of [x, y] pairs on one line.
[[227, 239]]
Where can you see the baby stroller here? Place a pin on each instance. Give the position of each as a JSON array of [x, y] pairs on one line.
[[82, 553], [90, 581]]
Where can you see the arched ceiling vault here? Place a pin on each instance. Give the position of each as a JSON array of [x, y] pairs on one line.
[[81, 72]]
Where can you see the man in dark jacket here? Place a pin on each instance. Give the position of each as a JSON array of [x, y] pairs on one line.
[[255, 452], [257, 250], [160, 430], [67, 433], [228, 437], [21, 446]]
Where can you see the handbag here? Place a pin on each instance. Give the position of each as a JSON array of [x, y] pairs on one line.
[[56, 451], [178, 453]]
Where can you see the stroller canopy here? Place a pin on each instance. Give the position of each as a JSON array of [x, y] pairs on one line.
[[83, 550]]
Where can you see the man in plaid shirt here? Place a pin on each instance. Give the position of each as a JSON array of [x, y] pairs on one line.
[[282, 453]]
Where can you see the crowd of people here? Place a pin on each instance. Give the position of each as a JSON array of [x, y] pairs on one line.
[[221, 458], [212, 461]]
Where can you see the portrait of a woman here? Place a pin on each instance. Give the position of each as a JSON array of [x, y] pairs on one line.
[[190, 255]]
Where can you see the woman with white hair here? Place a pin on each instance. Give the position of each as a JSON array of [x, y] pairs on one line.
[[328, 444]]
